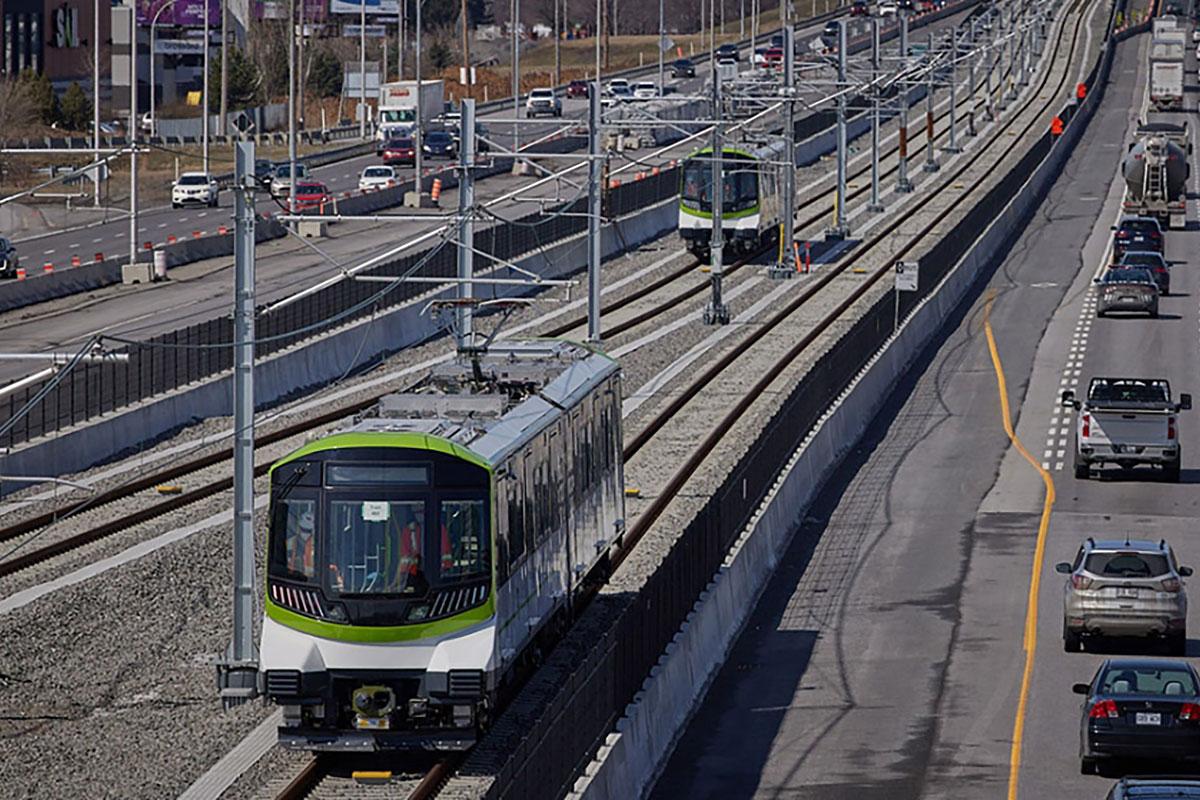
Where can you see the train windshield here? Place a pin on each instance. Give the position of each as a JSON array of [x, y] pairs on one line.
[[740, 183]]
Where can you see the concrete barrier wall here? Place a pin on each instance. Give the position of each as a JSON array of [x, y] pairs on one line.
[[309, 365], [631, 757]]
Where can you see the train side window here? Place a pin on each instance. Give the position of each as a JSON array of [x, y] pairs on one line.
[[530, 501]]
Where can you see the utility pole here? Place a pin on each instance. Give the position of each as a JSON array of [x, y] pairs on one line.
[[841, 228], [788, 234], [875, 206], [417, 198], [292, 109], [223, 126], [96, 103], [134, 128], [362, 67], [595, 190], [466, 223], [717, 312], [662, 45], [931, 164], [557, 41], [466, 45], [903, 184], [400, 41], [516, 77], [237, 672], [301, 82], [204, 88]]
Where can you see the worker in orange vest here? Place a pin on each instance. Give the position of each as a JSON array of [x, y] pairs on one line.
[[410, 548], [1056, 126], [300, 545]]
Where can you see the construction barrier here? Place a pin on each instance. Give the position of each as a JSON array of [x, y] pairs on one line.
[[436, 191]]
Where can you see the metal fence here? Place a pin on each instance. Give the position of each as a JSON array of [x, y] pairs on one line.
[[195, 352]]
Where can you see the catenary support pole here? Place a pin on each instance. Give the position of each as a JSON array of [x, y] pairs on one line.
[[903, 184], [931, 164], [841, 227], [362, 66], [717, 312], [237, 673], [952, 145], [466, 224], [205, 104], [595, 190], [292, 109], [875, 206], [783, 268], [971, 83]]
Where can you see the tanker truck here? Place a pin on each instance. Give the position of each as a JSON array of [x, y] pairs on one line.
[[1156, 169]]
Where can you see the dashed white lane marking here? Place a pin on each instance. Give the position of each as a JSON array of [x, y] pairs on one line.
[[50, 252], [98, 240]]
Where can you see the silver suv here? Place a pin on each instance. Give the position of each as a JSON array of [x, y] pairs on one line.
[[1129, 587]]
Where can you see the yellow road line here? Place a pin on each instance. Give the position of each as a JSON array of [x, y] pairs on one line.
[[1039, 552]]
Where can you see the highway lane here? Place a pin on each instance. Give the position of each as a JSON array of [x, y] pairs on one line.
[[884, 658], [155, 224]]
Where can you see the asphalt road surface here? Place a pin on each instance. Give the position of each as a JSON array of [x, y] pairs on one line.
[[884, 659]]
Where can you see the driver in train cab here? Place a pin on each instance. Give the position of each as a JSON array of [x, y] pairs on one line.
[[410, 547], [301, 543]]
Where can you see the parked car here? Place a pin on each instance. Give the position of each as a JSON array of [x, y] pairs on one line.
[[729, 51], [310, 195], [1152, 261], [1139, 708], [281, 182], [1124, 587], [9, 260], [683, 68], [377, 177], [1137, 233], [543, 102], [577, 88], [399, 151], [1123, 289], [645, 90], [1155, 788], [438, 144], [195, 188]]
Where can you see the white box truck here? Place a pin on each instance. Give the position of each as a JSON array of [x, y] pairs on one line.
[[398, 106], [1166, 69]]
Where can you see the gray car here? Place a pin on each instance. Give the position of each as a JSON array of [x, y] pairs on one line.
[[1125, 587], [1124, 289]]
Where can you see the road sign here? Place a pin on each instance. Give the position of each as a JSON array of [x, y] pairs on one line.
[[906, 276]]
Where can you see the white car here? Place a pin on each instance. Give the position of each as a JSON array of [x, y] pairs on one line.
[[888, 8], [281, 180], [543, 101], [195, 187], [377, 178], [645, 90], [618, 82], [1196, 34]]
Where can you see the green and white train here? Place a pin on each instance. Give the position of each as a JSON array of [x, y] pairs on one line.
[[416, 557], [751, 208]]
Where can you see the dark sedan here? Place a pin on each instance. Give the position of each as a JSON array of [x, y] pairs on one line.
[[860, 9], [1139, 708], [438, 144], [683, 68], [729, 51], [399, 151], [577, 88], [1152, 261]]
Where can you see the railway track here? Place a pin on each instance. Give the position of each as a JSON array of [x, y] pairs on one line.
[[324, 778]]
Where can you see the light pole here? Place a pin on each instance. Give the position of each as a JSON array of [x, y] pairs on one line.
[[362, 69], [516, 74], [292, 109], [133, 137], [204, 88], [224, 124], [400, 42], [96, 100], [662, 42], [153, 23]]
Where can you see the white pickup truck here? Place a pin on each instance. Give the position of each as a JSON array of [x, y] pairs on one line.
[[1128, 422]]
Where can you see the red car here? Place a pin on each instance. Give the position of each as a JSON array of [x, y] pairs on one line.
[[310, 194], [774, 57], [860, 9], [399, 151], [577, 89]]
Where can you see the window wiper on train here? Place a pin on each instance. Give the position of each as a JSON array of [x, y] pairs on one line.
[[281, 491]]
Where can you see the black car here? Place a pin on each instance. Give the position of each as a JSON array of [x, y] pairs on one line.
[[1139, 708], [9, 260], [683, 68], [1156, 787], [860, 9], [1152, 261], [729, 51], [777, 40], [264, 170], [1137, 233], [905, 5], [438, 144], [830, 32]]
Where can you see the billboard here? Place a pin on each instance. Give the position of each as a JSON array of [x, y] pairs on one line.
[[314, 10], [186, 13], [373, 7]]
